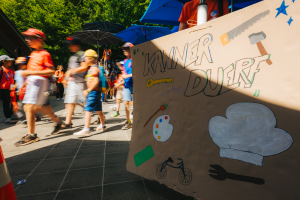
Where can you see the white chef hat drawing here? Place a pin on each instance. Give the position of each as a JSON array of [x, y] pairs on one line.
[[248, 133]]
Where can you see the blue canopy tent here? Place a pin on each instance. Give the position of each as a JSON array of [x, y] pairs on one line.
[[175, 29], [167, 12], [138, 34], [239, 4]]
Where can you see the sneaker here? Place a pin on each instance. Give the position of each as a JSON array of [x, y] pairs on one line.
[[126, 126], [19, 122], [62, 99], [101, 128], [67, 125], [82, 133], [56, 129], [57, 99], [114, 98], [115, 115], [27, 140], [7, 120]]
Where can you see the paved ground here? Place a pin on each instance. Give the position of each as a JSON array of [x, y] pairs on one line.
[[67, 167]]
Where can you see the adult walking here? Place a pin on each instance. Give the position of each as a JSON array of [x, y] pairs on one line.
[[75, 83], [59, 75], [6, 82]]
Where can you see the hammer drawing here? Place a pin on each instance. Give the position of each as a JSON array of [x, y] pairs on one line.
[[256, 38]]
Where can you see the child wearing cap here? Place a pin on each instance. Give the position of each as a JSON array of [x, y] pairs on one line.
[[93, 94], [188, 17], [6, 84], [39, 68], [128, 83]]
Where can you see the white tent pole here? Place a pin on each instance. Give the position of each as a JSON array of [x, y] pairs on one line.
[[202, 12]]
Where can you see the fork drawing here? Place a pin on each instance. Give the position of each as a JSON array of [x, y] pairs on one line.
[[219, 173]]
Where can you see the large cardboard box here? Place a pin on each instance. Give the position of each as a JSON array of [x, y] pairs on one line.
[[216, 107]]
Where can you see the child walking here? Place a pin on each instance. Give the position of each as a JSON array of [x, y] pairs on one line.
[[93, 94], [128, 83], [39, 68]]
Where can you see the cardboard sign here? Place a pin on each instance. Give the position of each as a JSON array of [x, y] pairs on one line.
[[216, 107]]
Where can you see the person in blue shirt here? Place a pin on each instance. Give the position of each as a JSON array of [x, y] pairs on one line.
[[128, 83]]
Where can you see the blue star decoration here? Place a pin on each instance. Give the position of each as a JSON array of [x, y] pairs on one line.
[[293, 1], [281, 9], [290, 21]]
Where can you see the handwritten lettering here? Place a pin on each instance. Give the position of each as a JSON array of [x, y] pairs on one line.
[[200, 80], [211, 82]]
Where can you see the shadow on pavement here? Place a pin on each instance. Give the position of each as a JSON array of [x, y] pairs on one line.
[[82, 168]]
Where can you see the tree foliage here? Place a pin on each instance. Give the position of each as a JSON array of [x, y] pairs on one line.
[[60, 18]]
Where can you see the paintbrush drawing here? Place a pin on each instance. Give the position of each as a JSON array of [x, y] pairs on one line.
[[162, 108]]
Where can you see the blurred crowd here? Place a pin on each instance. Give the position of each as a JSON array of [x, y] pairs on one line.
[[89, 81]]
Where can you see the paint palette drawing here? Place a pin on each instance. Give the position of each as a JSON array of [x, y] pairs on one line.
[[162, 129]]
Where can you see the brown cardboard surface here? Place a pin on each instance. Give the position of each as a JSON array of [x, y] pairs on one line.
[[232, 113]]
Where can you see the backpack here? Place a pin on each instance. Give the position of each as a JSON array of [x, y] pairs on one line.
[[103, 84]]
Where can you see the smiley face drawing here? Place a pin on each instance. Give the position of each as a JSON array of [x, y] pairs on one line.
[[162, 130]]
